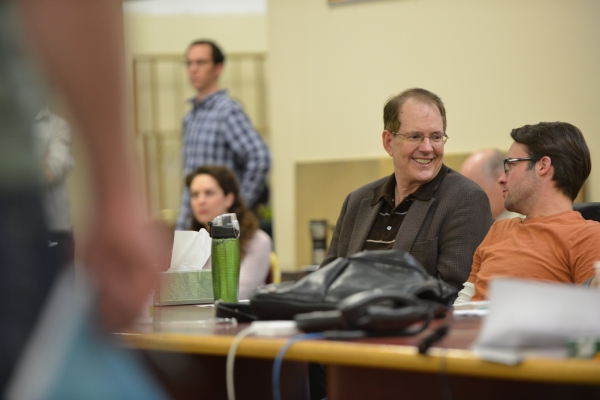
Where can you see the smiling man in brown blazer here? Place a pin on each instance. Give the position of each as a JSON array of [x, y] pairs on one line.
[[424, 207]]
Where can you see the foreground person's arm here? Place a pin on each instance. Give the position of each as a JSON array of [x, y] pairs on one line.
[[79, 44]]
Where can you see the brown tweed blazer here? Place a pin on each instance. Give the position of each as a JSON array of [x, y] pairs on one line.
[[441, 232]]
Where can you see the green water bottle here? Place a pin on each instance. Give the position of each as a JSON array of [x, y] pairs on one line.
[[225, 257]]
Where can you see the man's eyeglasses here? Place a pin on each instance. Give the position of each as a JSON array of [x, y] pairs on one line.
[[418, 137], [198, 63], [508, 162]]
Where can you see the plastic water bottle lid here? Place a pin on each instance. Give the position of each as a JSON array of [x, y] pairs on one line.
[[225, 226]]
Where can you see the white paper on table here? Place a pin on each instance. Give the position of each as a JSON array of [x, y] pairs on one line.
[[475, 312], [191, 250], [531, 317]]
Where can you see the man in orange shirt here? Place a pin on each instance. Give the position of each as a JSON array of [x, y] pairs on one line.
[[546, 166]]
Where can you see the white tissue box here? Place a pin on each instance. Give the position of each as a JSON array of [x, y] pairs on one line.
[[184, 287]]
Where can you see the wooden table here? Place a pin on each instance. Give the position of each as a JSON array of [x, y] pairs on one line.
[[186, 347]]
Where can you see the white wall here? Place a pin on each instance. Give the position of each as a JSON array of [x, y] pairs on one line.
[[496, 64]]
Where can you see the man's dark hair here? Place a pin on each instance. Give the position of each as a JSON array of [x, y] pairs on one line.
[[391, 111], [566, 147], [217, 55]]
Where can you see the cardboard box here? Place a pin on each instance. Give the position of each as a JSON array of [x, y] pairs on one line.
[[184, 287]]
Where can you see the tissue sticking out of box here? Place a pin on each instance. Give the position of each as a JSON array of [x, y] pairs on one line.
[[191, 250]]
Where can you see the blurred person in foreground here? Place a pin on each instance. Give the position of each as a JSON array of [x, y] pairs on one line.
[[214, 190], [546, 166], [217, 131], [79, 46], [484, 167]]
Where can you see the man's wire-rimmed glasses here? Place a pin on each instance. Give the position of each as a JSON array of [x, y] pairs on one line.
[[418, 137]]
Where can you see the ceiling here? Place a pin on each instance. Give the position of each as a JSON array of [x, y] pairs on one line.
[[202, 7]]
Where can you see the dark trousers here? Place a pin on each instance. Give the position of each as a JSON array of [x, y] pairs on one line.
[[61, 247], [27, 272]]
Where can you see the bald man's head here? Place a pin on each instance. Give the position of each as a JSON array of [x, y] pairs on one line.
[[485, 167]]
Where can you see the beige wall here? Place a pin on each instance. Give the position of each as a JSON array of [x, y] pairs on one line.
[[155, 34], [496, 64]]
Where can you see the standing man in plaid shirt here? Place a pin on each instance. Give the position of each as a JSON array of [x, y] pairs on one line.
[[217, 131]]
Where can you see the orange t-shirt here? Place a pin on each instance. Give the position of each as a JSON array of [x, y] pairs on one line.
[[559, 248]]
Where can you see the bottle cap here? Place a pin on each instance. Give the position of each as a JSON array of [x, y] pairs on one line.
[[225, 226]]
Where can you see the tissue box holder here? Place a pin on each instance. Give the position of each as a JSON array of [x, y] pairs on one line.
[[184, 287]]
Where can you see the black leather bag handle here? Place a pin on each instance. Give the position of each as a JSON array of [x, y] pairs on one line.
[[372, 312]]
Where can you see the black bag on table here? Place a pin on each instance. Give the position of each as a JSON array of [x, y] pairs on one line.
[[386, 290]]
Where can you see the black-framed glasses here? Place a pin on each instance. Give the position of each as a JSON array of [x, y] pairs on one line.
[[509, 161], [418, 137]]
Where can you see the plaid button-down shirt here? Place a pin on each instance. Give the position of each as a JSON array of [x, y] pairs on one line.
[[217, 131]]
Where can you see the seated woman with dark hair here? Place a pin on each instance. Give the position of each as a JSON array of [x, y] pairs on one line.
[[214, 190]]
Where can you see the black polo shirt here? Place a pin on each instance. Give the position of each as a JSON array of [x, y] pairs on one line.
[[389, 220]]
